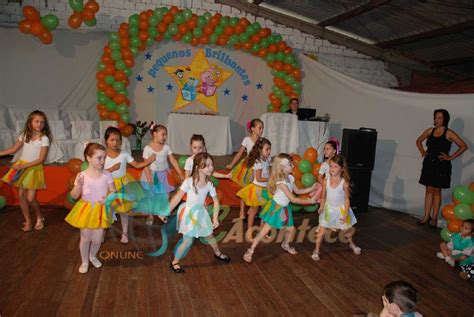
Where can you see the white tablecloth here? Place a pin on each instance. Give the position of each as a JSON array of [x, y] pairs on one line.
[[214, 129], [288, 135]]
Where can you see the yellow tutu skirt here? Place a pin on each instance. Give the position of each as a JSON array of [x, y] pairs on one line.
[[241, 174], [126, 185], [30, 178], [253, 195], [85, 216]]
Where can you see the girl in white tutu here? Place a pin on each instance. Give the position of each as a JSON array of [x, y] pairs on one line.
[[335, 212]]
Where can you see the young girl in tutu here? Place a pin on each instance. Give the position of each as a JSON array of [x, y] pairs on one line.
[[116, 163], [335, 212], [331, 148], [27, 173], [193, 219], [241, 174], [157, 173], [255, 194], [277, 212], [89, 214]]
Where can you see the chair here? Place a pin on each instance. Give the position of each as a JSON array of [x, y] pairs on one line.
[[77, 115], [81, 129]]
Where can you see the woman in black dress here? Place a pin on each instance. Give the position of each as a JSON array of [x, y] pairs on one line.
[[436, 171]]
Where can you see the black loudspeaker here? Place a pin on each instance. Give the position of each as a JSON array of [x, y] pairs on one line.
[[358, 147], [360, 189]]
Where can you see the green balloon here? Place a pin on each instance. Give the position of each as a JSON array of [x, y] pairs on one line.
[[269, 107], [179, 18], [256, 26], [264, 42], [224, 21], [296, 207], [135, 52], [278, 38], [134, 41], [111, 106], [114, 45], [197, 32], [50, 22], [153, 32], [243, 38], [304, 166], [113, 36], [150, 41], [84, 166], [77, 5], [272, 39], [463, 212], [280, 56], [102, 99], [289, 59], [250, 30], [167, 35], [233, 39], [279, 93], [207, 16], [284, 108], [134, 19], [118, 85], [202, 21], [214, 181], [153, 20], [285, 100], [125, 117], [158, 14], [120, 65], [100, 93], [281, 74], [274, 72], [234, 21], [255, 48], [187, 14], [122, 108], [311, 208], [128, 72], [213, 38], [275, 89], [295, 85], [173, 28], [100, 66], [165, 10], [109, 80], [270, 58], [289, 79], [116, 55], [182, 160], [308, 180], [123, 92], [133, 30], [219, 30], [445, 234], [90, 22], [187, 38], [463, 194], [3, 202]]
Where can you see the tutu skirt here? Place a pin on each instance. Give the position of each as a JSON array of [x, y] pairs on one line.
[[194, 221], [30, 178], [277, 216], [85, 215], [335, 217], [241, 174], [253, 195], [160, 182]]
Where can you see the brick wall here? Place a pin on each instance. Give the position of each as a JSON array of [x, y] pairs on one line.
[[113, 12]]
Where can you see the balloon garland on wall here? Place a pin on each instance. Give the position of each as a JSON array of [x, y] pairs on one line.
[[461, 209], [83, 13], [37, 25], [148, 27]]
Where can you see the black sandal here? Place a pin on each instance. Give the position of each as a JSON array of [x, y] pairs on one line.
[[176, 268], [222, 257]]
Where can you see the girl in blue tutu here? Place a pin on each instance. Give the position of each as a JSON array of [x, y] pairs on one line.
[[277, 212], [335, 212]]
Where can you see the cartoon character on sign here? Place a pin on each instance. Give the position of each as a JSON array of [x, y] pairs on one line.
[[182, 75], [208, 85], [189, 90]]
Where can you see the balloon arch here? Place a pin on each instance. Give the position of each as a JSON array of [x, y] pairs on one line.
[[148, 27]]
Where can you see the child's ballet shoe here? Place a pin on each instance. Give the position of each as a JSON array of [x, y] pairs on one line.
[[84, 268]]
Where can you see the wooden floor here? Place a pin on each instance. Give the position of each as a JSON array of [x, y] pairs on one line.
[[38, 273]]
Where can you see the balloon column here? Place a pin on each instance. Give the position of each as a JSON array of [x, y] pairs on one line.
[[306, 171], [165, 24], [37, 25], [83, 13], [461, 209]]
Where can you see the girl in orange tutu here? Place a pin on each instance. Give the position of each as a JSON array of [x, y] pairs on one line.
[[116, 163], [89, 213], [240, 173], [27, 173]]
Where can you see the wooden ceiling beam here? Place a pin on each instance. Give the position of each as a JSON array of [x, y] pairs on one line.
[[374, 4]]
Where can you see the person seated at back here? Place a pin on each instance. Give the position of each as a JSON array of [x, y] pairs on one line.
[[461, 247], [294, 106]]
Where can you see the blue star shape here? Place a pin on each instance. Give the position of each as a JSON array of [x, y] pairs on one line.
[[226, 92], [148, 56], [150, 89], [245, 97], [259, 85], [169, 87], [139, 78]]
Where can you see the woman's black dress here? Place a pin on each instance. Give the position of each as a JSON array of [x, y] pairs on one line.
[[436, 173]]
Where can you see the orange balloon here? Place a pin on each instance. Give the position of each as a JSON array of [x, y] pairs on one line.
[[288, 68], [183, 29], [74, 165], [278, 66], [297, 173], [272, 48], [168, 18], [92, 6], [455, 225], [296, 159], [127, 131], [100, 75], [311, 154], [87, 14], [228, 30], [143, 16], [263, 52], [204, 39], [455, 201], [115, 116], [174, 10], [120, 75], [104, 114], [46, 37], [110, 92], [24, 26], [129, 62], [121, 125], [448, 212], [162, 27], [177, 37], [316, 168], [100, 107], [123, 33], [143, 25], [124, 42], [195, 41], [75, 20], [299, 184], [31, 13], [101, 85], [37, 28], [471, 187]]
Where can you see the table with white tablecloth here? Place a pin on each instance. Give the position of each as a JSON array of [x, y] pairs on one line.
[[214, 129], [288, 135]]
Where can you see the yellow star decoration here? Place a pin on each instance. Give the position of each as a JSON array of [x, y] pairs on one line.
[[184, 75]]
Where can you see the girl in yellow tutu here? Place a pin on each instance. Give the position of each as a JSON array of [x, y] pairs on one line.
[[89, 213], [240, 173], [27, 173], [116, 163], [255, 194]]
